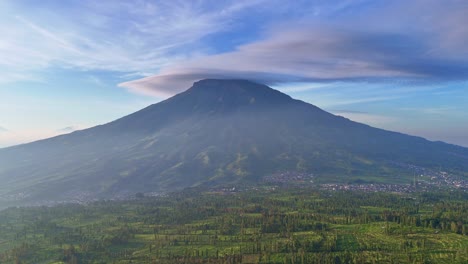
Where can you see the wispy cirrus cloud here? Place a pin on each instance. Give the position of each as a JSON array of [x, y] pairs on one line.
[[134, 37]]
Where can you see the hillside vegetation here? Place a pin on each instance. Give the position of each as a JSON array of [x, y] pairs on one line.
[[253, 226]]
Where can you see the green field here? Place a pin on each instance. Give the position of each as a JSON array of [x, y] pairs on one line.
[[256, 226]]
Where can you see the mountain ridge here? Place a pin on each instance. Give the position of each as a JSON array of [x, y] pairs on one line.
[[216, 132]]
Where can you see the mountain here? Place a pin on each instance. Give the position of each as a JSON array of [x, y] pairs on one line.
[[216, 132]]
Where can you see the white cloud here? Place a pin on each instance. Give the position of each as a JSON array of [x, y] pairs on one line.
[[307, 54], [128, 37]]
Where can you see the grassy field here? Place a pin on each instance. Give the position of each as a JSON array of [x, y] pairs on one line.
[[256, 226]]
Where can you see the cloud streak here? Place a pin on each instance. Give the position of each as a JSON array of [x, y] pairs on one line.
[[366, 118], [68, 129]]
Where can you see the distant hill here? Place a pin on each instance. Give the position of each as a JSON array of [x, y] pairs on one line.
[[216, 132]]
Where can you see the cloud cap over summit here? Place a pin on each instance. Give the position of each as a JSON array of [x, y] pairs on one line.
[[426, 44]]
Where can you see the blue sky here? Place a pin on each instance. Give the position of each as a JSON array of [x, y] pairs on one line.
[[398, 65]]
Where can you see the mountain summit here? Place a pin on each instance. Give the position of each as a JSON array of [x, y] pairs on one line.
[[231, 94], [216, 132]]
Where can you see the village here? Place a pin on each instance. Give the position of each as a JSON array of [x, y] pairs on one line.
[[424, 180]]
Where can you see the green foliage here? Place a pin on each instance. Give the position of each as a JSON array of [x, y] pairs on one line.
[[258, 226]]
